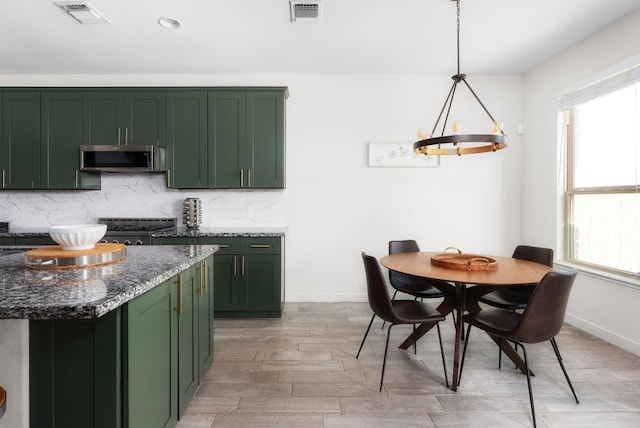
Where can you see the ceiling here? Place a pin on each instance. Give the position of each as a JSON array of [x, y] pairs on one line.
[[257, 36]]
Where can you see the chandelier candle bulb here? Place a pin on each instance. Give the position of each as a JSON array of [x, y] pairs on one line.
[[455, 127]]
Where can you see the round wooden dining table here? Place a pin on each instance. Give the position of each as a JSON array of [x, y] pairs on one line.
[[466, 287]]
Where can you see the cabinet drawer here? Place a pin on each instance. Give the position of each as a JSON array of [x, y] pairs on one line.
[[261, 246], [34, 240], [174, 240], [226, 245]]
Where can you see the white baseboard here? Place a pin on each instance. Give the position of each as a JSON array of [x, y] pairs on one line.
[[313, 297], [604, 334]]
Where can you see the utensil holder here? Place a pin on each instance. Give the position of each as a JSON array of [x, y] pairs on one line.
[[192, 213]]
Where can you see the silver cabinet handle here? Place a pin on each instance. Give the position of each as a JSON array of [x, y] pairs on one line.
[[126, 136], [168, 178], [259, 245], [118, 141], [249, 174], [3, 179], [242, 178], [235, 266], [77, 182]]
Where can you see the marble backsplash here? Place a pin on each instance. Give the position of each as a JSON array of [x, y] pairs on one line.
[[141, 195]]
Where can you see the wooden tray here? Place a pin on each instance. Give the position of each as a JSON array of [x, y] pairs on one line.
[[461, 261], [55, 257]]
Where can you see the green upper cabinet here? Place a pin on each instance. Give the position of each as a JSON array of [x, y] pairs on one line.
[[265, 150], [61, 139], [124, 118], [187, 139], [227, 138], [20, 140], [246, 139]]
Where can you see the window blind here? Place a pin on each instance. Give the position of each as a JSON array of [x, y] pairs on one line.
[[602, 87]]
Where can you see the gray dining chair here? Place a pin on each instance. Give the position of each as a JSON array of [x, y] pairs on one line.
[[541, 321], [395, 311]]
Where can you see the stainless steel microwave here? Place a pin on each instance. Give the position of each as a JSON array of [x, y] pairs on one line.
[[115, 158]]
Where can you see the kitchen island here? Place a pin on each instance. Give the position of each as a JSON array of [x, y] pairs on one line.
[[118, 345]]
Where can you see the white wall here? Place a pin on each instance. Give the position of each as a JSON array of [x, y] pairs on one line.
[[598, 306]]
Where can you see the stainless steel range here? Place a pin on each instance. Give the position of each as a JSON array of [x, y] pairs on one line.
[[135, 231]]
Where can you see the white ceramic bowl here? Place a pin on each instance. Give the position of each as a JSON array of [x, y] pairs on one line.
[[77, 236]]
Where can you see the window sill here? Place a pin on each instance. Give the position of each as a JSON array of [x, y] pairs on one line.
[[633, 282]]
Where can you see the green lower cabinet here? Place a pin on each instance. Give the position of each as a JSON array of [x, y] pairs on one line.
[[75, 372], [136, 367], [260, 291], [247, 273], [151, 359], [247, 277]]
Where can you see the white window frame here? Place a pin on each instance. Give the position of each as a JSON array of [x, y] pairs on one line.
[[626, 77]]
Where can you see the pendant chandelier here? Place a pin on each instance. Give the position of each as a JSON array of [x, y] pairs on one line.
[[479, 143]]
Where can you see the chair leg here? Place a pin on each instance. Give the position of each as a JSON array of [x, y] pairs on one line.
[[365, 335], [557, 351], [384, 360], [464, 353], [526, 365], [500, 354], [415, 342], [444, 363]]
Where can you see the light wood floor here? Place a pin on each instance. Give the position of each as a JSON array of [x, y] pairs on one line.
[[301, 371]]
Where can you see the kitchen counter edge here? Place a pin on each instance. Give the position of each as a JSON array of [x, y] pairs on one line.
[[58, 294]]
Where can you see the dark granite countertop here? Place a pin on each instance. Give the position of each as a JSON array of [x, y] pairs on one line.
[[227, 232], [84, 293], [202, 232]]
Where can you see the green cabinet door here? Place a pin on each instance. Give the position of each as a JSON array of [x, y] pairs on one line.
[[265, 144], [227, 136], [226, 283], [151, 358], [124, 118], [205, 317], [75, 373], [226, 277], [20, 140], [187, 140], [61, 139], [188, 288], [261, 288], [103, 118], [145, 120]]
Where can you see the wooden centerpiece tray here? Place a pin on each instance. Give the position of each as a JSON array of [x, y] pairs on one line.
[[55, 257], [462, 261]]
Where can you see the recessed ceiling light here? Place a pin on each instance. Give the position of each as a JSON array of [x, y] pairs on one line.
[[168, 23]]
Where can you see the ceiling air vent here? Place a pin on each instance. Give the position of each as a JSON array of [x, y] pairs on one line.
[[306, 11], [82, 12]]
